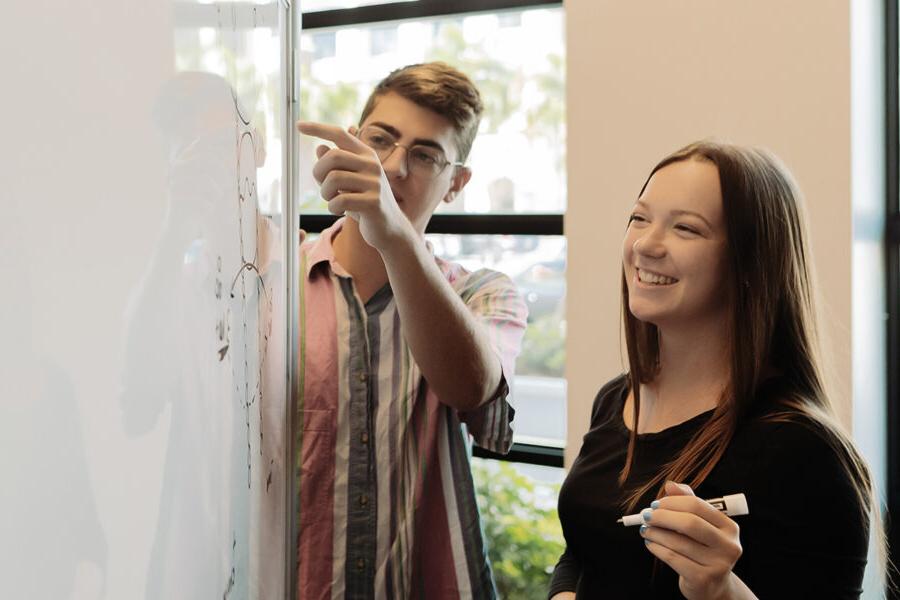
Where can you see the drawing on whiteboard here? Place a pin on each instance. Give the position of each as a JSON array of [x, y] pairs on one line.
[[199, 327], [248, 281], [229, 585]]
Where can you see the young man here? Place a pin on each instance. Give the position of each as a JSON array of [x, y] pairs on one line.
[[398, 349]]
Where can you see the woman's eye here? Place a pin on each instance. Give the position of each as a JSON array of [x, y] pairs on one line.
[[686, 228], [636, 218]]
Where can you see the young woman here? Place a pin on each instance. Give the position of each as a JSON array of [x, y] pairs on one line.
[[724, 395]]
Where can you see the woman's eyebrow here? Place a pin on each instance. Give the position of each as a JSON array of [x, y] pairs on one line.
[[692, 214], [678, 212]]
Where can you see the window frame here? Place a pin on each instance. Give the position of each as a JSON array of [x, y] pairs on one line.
[[397, 11], [539, 224], [892, 264]]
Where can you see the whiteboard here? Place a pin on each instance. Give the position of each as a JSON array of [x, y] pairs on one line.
[[143, 315]]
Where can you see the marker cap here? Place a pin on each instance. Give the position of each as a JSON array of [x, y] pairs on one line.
[[735, 505]]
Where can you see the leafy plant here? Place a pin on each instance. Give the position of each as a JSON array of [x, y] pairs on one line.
[[544, 348], [521, 527]]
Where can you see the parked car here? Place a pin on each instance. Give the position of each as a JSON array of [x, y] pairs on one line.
[[543, 285]]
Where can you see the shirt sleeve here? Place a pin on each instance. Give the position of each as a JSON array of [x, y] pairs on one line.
[[496, 303], [565, 575], [811, 536]]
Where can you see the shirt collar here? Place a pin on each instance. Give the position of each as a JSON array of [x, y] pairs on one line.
[[322, 250]]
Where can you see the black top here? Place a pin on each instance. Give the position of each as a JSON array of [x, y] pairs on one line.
[[803, 538]]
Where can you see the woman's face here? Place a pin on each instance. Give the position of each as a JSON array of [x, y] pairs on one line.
[[674, 248]]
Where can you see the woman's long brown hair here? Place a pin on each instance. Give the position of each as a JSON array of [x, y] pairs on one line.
[[772, 327]]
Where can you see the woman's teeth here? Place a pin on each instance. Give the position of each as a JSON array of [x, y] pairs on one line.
[[654, 278]]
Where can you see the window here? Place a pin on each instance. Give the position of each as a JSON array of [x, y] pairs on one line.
[[516, 57], [383, 40], [249, 57], [509, 217], [323, 45]]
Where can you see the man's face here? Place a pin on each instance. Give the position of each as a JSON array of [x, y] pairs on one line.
[[417, 196]]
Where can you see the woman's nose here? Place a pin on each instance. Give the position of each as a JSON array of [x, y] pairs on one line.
[[650, 244]]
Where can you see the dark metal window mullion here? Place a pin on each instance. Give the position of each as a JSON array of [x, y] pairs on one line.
[[892, 264], [532, 454], [379, 13], [463, 224]]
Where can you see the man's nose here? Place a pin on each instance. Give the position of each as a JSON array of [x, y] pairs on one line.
[[395, 164]]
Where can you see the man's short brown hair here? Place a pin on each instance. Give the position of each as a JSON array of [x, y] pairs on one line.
[[440, 88]]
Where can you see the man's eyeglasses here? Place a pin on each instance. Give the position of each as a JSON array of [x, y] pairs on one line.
[[426, 162]]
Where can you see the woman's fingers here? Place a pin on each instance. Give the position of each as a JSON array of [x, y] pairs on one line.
[[698, 541], [684, 523], [698, 507], [693, 528], [680, 543], [678, 489], [684, 566]]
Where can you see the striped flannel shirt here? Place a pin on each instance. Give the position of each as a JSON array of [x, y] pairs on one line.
[[386, 505]]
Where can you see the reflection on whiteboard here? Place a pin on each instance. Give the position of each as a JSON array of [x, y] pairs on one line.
[[53, 542], [199, 328]]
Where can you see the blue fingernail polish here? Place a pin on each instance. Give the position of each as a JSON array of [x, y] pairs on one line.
[[646, 513], [644, 529], [654, 504], [646, 542]]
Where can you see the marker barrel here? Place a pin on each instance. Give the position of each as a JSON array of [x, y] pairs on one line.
[[733, 505]]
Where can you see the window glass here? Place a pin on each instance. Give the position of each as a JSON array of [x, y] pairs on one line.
[[516, 59], [517, 503], [249, 58], [537, 264]]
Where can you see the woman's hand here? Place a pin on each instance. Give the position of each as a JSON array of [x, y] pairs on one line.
[[700, 543]]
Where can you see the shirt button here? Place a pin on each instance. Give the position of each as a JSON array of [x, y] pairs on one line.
[[362, 376], [363, 500], [364, 437], [360, 564]]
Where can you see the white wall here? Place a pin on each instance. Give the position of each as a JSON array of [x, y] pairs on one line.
[[645, 78]]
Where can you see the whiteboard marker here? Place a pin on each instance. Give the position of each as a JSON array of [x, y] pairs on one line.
[[732, 505]]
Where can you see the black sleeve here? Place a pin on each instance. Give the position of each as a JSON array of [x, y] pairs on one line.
[[812, 537], [605, 402], [566, 574]]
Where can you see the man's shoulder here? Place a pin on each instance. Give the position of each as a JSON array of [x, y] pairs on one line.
[[467, 282]]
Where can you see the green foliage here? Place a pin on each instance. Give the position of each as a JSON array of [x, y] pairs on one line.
[[336, 104], [500, 85], [521, 527], [544, 348]]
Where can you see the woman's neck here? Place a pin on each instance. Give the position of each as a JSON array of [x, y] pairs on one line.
[[694, 372]]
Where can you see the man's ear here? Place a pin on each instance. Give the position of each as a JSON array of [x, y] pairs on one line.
[[460, 178]]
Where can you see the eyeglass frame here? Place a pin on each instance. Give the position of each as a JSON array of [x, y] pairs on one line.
[[396, 145]]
